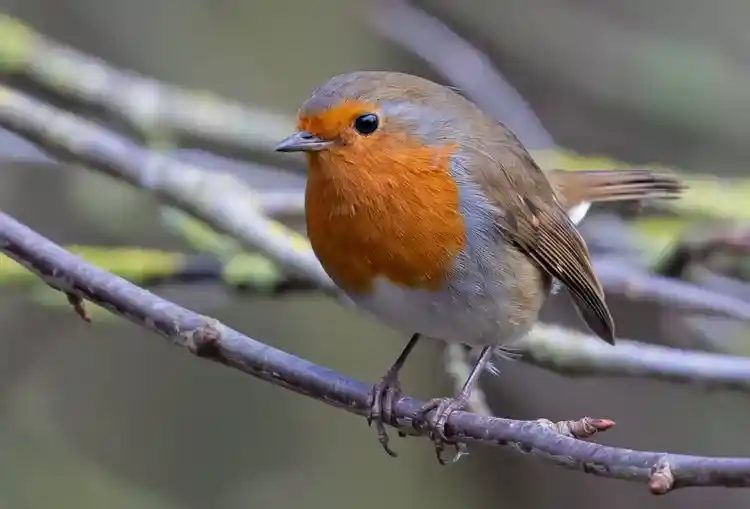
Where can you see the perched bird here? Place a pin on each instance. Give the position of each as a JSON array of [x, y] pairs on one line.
[[432, 216]]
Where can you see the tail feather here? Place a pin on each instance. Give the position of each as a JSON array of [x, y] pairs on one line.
[[575, 187]]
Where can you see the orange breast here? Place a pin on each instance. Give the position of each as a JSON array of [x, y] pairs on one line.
[[393, 212]]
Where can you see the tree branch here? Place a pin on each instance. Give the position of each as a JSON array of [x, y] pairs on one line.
[[246, 272], [572, 353], [209, 338], [142, 102], [228, 205], [219, 199], [643, 286]]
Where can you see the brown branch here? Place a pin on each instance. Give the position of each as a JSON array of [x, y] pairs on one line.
[[208, 338]]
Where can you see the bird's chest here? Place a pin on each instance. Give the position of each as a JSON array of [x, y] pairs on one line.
[[405, 231]]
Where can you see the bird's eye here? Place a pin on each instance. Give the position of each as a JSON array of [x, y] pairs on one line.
[[366, 124]]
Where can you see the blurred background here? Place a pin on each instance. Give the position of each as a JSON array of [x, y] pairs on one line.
[[108, 415]]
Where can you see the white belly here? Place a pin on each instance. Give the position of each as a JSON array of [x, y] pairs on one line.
[[472, 318]]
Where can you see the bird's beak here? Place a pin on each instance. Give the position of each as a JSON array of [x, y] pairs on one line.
[[302, 141]]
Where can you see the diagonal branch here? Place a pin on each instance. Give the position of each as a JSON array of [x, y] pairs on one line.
[[221, 200], [228, 206], [144, 103], [461, 64], [208, 338]]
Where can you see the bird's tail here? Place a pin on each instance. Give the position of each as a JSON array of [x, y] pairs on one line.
[[577, 190], [615, 185]]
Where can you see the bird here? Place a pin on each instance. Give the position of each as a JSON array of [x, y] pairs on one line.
[[433, 217]]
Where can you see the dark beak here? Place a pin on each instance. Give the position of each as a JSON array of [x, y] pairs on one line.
[[302, 141]]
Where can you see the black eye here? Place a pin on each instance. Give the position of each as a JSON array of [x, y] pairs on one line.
[[367, 123]]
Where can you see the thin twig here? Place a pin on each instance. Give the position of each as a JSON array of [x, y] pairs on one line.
[[213, 340]]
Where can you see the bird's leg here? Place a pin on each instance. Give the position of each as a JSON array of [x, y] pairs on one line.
[[444, 407], [385, 393]]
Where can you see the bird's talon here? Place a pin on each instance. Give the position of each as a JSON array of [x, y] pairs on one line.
[[460, 451], [383, 439], [443, 407], [382, 398]]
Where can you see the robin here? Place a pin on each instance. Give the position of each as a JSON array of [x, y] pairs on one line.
[[433, 217]]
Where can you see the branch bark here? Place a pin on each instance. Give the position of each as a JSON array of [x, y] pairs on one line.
[[209, 338]]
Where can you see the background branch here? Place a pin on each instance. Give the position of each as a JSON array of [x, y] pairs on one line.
[[43, 375], [572, 353], [229, 206], [461, 64], [213, 340], [144, 103], [225, 203], [221, 200], [248, 272]]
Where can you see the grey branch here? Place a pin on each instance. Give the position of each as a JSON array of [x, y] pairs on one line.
[[210, 339], [144, 103], [646, 287], [220, 199], [229, 206], [572, 353]]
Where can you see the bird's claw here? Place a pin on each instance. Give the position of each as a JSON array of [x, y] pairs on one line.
[[443, 407], [382, 400]]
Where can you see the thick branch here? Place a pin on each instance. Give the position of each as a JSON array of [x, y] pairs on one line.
[[211, 339]]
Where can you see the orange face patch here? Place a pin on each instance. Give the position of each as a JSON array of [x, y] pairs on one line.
[[383, 205], [337, 121]]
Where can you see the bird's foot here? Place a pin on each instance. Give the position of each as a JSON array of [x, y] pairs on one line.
[[382, 400], [443, 407]]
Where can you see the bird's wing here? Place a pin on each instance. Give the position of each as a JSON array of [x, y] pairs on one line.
[[530, 216]]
